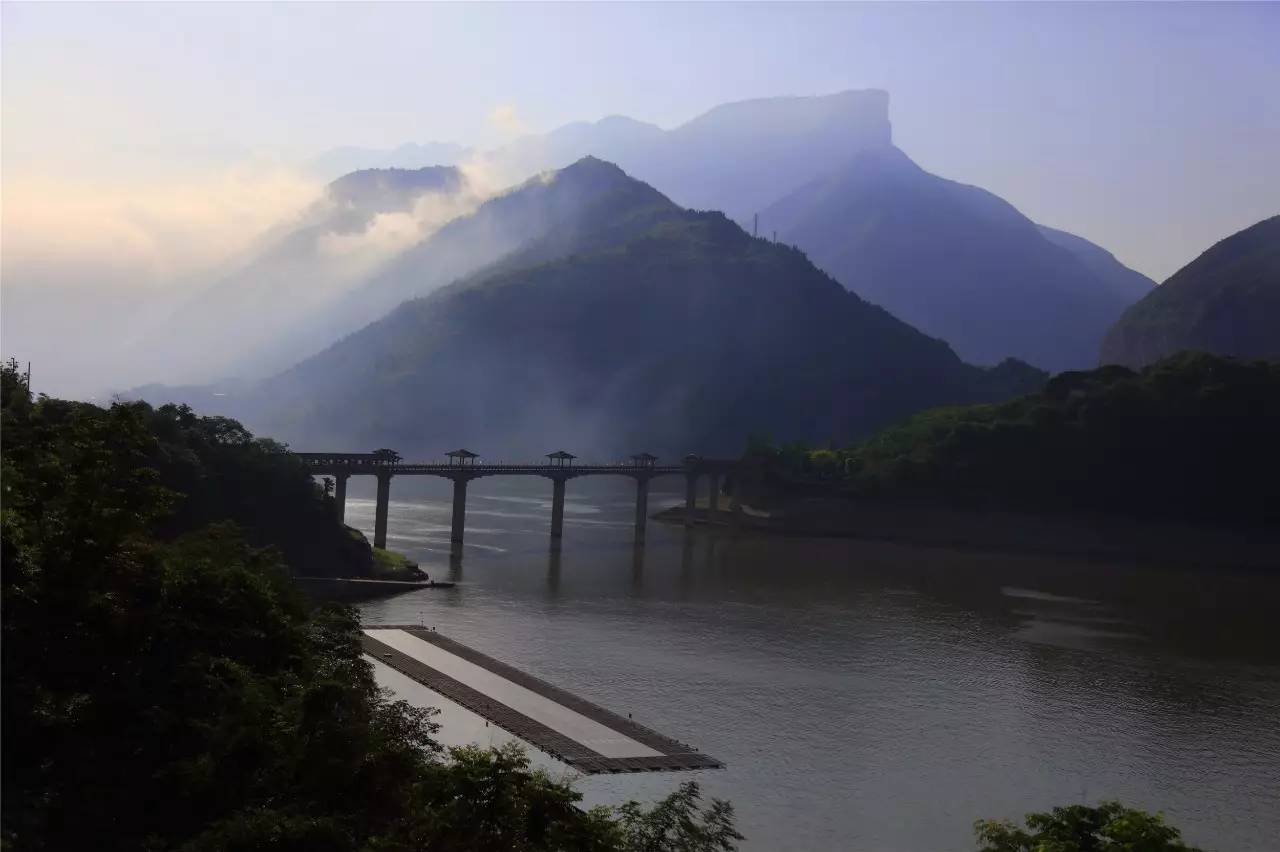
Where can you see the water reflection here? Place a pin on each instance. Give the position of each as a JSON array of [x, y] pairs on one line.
[[873, 696], [637, 568], [553, 568]]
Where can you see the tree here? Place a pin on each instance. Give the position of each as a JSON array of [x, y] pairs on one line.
[[1108, 827], [678, 823], [165, 686]]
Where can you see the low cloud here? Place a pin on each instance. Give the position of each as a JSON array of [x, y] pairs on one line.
[[86, 266], [505, 119], [389, 233], [150, 235]]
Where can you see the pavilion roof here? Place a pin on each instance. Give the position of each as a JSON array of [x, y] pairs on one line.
[[561, 454], [644, 457], [462, 454]]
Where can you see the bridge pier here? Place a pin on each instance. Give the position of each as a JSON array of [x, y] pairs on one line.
[[642, 505], [380, 512], [690, 497], [459, 509], [557, 507], [340, 495], [462, 467]]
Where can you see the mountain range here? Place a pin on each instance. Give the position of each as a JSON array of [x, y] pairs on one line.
[[958, 262], [646, 325], [411, 271], [823, 173], [1226, 301]]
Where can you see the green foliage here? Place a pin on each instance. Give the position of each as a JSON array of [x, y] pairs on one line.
[[1191, 437], [1109, 827], [389, 565], [166, 688], [679, 823], [132, 465]]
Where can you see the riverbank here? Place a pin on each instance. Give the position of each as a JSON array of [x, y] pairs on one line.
[[1089, 536], [356, 589]]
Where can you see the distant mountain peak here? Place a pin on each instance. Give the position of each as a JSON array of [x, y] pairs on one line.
[[589, 176], [592, 165], [865, 107], [372, 185], [956, 261]]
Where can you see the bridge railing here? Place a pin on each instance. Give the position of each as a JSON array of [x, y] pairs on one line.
[[326, 460], [377, 463]]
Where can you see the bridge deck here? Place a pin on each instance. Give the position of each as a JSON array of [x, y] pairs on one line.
[[534, 469], [563, 720], [432, 469]]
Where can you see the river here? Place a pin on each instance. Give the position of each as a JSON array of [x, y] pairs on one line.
[[866, 695]]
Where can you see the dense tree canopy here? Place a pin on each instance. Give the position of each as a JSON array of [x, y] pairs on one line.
[[1108, 827], [1193, 437], [166, 688]]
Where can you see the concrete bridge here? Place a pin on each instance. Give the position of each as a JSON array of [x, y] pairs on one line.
[[463, 466]]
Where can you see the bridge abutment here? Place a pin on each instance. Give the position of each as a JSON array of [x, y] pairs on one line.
[[380, 511]]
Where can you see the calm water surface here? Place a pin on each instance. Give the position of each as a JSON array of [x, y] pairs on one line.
[[871, 696]]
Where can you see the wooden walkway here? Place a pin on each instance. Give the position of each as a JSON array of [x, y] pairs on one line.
[[675, 756]]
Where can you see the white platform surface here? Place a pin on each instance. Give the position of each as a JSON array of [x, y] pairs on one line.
[[557, 717]]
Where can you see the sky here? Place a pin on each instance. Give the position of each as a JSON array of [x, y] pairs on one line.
[[149, 142]]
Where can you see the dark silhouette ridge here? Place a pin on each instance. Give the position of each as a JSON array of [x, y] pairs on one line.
[[1226, 301]]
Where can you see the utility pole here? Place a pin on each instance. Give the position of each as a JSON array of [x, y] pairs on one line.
[[755, 226]]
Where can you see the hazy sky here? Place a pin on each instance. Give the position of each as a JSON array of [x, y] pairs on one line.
[[1152, 129]]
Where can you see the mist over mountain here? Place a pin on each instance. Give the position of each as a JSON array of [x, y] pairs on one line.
[[736, 158], [257, 318], [952, 260], [957, 262], [337, 162], [1226, 301], [1126, 284], [645, 326]]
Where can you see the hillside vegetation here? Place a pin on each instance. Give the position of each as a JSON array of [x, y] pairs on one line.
[[165, 687], [1226, 301], [1192, 437], [202, 470]]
